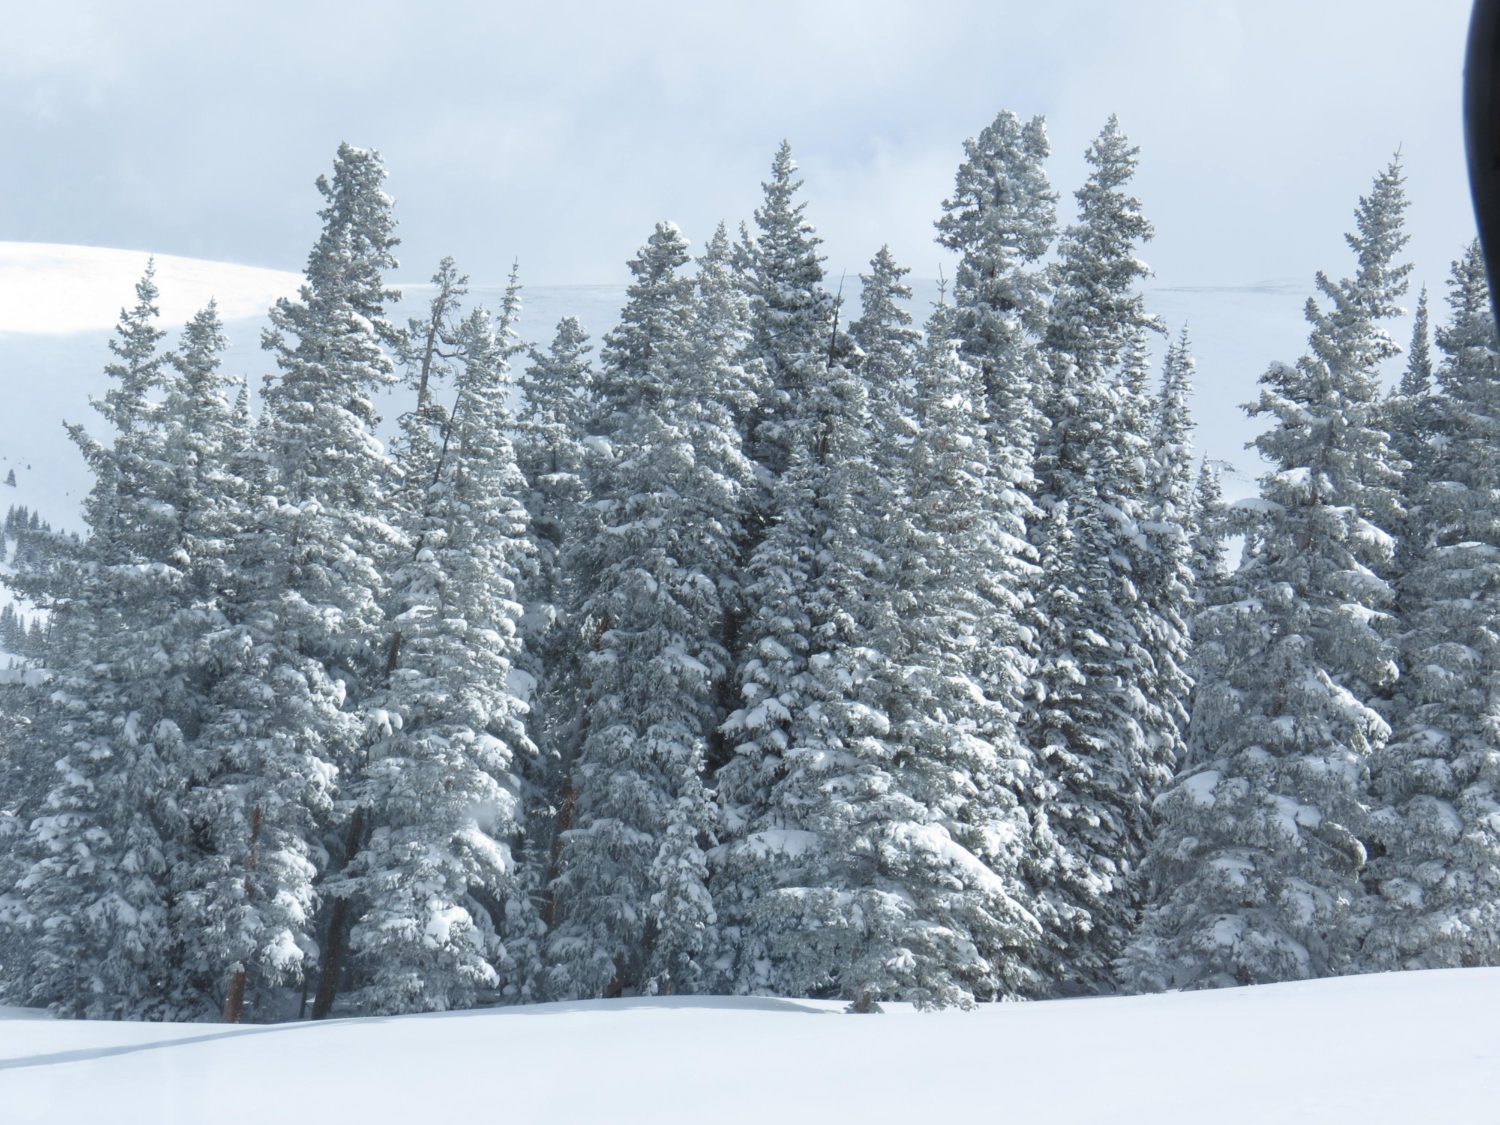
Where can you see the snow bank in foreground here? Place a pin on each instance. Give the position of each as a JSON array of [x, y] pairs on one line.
[[1410, 1047], [55, 289]]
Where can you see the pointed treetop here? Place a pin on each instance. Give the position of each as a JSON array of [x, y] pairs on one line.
[[883, 319], [1417, 378], [137, 366], [653, 324], [201, 337], [1099, 306], [1349, 334], [1378, 238]]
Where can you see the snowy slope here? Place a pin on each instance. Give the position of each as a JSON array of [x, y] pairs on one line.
[[58, 305], [1407, 1048]]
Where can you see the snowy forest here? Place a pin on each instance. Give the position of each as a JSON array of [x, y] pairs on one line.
[[763, 646]]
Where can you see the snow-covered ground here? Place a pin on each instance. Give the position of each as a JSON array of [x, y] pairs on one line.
[[1407, 1048]]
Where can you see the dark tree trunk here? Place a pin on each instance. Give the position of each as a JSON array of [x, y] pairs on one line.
[[333, 958], [337, 940], [234, 1006]]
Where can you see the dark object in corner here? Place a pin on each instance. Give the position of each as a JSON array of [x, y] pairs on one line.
[[1482, 130]]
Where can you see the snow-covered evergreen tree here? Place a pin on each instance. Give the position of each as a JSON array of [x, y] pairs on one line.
[[1257, 864], [551, 428], [1411, 418], [301, 644], [872, 797], [1436, 862], [1097, 710], [428, 351], [953, 706], [1002, 220], [665, 492], [435, 871], [887, 341], [1166, 579], [729, 386], [89, 890], [1210, 530], [125, 686], [792, 316], [1097, 309]]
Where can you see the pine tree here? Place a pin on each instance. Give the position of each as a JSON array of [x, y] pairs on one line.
[[551, 428], [90, 888], [1166, 579], [887, 357], [1097, 310], [803, 913], [1097, 707], [1210, 530], [954, 704], [300, 648], [435, 870], [1257, 863], [874, 823], [1411, 419], [1436, 864], [427, 350], [1002, 220], [728, 387], [635, 910], [792, 316]]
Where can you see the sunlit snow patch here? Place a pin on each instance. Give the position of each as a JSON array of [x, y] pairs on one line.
[[48, 289]]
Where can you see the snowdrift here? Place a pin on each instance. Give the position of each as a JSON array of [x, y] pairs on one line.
[[1409, 1048]]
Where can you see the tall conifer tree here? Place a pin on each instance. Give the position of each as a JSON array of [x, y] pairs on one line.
[[1437, 855], [1257, 864], [301, 647], [635, 912]]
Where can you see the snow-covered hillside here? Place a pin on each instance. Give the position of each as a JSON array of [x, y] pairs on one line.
[[58, 305], [1407, 1048]]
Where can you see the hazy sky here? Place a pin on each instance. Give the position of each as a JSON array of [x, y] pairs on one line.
[[558, 132]]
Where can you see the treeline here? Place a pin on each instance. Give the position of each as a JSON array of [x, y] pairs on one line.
[[764, 649], [23, 536]]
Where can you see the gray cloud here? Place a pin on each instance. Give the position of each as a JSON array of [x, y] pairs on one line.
[[557, 134]]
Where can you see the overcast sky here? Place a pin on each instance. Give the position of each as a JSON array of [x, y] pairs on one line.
[[559, 132]]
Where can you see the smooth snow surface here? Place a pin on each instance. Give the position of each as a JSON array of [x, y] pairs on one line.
[[49, 289], [1407, 1048]]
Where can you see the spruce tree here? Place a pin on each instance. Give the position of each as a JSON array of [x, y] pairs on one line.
[[89, 891], [792, 316], [428, 351], [1002, 220], [635, 912], [1256, 867], [1097, 310], [1210, 530], [435, 871], [1166, 578], [551, 428], [1097, 708], [1436, 865], [954, 703], [301, 645]]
